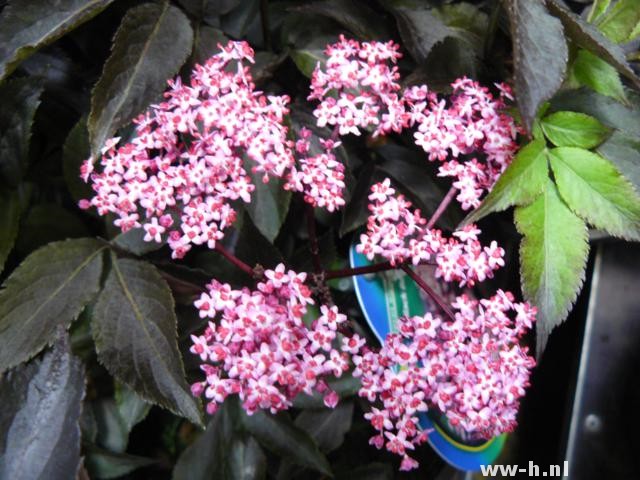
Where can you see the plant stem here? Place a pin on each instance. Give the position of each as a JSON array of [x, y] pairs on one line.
[[350, 272], [235, 260], [442, 207], [429, 291], [376, 267], [313, 238]]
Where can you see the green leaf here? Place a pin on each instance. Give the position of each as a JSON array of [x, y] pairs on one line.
[[252, 247], [307, 59], [624, 151], [131, 406], [20, 99], [420, 28], [205, 42], [597, 191], [133, 241], [519, 184], [75, 151], [590, 38], [43, 440], [246, 459], [208, 456], [105, 464], [46, 223], [111, 432], [9, 218], [151, 44], [635, 33], [358, 18], [134, 327], [327, 426], [621, 20], [266, 64], [608, 111], [598, 7], [597, 74], [50, 288], [223, 451], [238, 22], [26, 26], [278, 434], [573, 129], [553, 258], [540, 55], [465, 18], [269, 205]]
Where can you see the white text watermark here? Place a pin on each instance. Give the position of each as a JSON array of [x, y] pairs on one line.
[[532, 470]]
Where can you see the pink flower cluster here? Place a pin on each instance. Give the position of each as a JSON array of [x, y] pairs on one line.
[[260, 349], [399, 234], [473, 370], [193, 154], [358, 88], [320, 177], [470, 134], [187, 156]]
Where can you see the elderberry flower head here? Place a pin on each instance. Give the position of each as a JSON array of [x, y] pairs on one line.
[[470, 134], [190, 155], [399, 233], [320, 176], [358, 87], [258, 347], [473, 370]]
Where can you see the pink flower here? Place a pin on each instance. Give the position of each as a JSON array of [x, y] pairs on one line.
[[408, 463], [259, 348], [363, 81], [472, 123], [187, 155], [472, 369], [398, 233]]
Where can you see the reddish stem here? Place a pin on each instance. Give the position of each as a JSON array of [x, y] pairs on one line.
[[429, 291], [350, 272], [376, 267], [442, 207], [235, 260]]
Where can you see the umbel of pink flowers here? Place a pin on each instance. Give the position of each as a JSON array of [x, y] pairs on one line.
[[197, 152]]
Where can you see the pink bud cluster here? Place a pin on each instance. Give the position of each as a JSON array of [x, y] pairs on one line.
[[188, 155], [399, 234], [358, 88], [260, 349], [470, 134], [319, 177], [473, 370]]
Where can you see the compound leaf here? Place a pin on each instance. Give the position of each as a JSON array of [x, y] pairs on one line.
[[553, 258], [594, 189], [151, 44], [134, 327]]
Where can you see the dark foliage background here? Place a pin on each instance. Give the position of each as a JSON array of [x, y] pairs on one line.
[[76, 71]]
